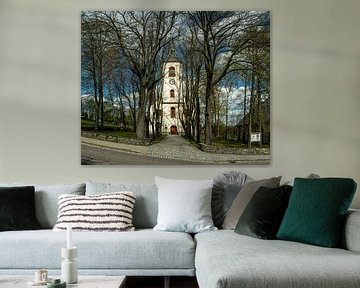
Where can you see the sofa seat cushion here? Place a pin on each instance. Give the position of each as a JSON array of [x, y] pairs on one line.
[[225, 259], [141, 250]]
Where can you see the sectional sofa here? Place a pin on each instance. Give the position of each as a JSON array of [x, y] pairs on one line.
[[218, 258]]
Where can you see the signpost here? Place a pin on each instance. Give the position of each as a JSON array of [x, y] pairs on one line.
[[255, 136]]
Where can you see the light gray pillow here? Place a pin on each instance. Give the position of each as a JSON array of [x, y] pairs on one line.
[[184, 205], [46, 200], [310, 176], [243, 198]]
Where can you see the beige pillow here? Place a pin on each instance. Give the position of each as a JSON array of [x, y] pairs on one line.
[[243, 198]]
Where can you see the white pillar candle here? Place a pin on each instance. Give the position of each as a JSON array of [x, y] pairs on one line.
[[69, 237]]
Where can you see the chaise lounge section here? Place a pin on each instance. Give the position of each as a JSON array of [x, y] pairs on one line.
[[225, 259]]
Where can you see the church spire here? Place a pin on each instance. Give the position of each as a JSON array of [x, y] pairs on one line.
[[172, 53]]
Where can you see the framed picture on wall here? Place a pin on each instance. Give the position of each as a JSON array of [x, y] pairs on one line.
[[175, 87]]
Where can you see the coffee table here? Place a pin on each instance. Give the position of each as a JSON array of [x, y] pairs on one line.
[[84, 281]]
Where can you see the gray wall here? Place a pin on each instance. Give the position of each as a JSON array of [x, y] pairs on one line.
[[315, 91]]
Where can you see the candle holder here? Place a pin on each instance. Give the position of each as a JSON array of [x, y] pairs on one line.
[[69, 272]]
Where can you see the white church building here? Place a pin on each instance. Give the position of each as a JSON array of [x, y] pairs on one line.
[[172, 105]]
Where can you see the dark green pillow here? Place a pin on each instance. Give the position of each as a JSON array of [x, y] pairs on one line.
[[316, 211], [264, 212], [17, 208]]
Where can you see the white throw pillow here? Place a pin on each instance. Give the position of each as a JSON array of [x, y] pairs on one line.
[[184, 205], [104, 212]]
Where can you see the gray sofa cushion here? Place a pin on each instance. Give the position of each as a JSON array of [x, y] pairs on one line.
[[351, 231], [225, 259], [139, 250], [46, 200], [146, 204]]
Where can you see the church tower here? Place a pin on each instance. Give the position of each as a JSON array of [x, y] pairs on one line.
[[172, 105]]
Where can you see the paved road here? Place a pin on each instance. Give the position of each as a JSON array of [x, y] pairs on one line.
[[173, 149], [177, 147], [93, 155]]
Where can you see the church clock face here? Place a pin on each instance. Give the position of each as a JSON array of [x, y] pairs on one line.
[[172, 81]]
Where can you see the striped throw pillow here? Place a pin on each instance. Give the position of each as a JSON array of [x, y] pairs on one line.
[[104, 212]]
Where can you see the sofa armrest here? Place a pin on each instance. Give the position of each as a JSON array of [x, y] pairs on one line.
[[351, 234]]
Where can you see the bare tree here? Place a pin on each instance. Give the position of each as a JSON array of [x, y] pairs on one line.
[[229, 84], [222, 40], [94, 43], [257, 59], [192, 67], [141, 38]]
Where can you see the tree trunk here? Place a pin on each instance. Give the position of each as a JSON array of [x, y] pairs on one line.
[[95, 92], [251, 107], [141, 115], [226, 116], [140, 125], [208, 112], [244, 117], [208, 129], [198, 126]]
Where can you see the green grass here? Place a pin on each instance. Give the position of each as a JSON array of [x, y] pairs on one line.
[[228, 143], [220, 142], [109, 129], [88, 125]]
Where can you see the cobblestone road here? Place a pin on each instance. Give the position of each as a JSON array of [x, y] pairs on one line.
[[177, 147]]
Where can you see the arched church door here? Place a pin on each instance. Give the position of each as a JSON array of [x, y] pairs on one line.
[[173, 130]]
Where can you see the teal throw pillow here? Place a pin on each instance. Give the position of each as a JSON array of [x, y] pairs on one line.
[[316, 211]]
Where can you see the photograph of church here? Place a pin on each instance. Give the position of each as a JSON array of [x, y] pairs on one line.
[[175, 87]]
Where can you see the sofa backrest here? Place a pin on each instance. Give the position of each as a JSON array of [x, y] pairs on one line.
[[146, 203], [351, 231]]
